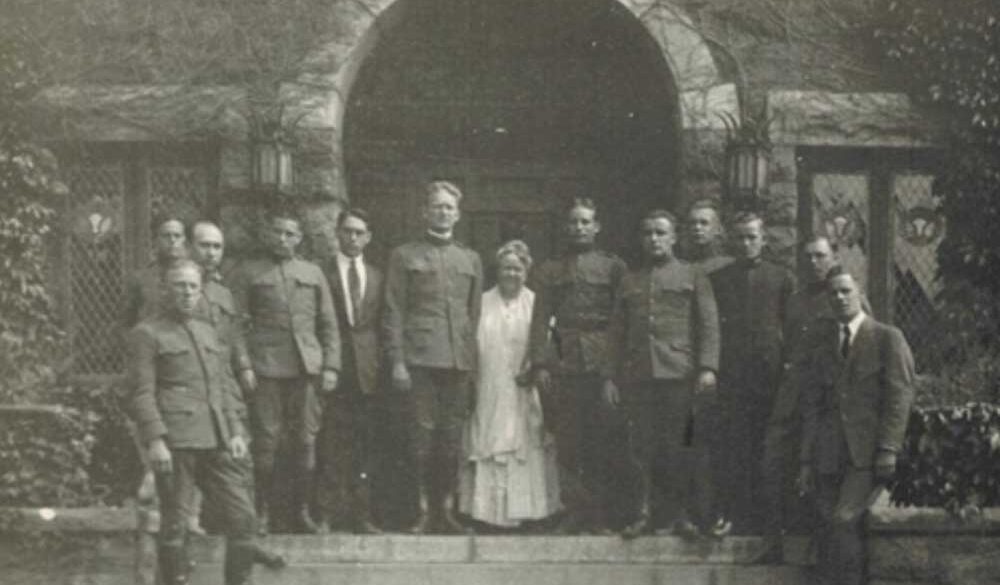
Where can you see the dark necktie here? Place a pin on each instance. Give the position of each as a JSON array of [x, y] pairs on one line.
[[845, 340], [354, 289]]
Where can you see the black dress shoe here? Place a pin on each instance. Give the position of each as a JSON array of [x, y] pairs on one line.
[[269, 559], [686, 530], [637, 528], [421, 524], [771, 553], [366, 526]]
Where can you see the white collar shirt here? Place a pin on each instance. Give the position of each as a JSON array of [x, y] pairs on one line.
[[343, 265], [852, 327]]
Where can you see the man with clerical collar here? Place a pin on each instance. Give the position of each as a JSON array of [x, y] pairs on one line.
[[352, 414], [294, 344], [575, 295], [432, 306], [188, 419], [664, 353], [857, 390], [752, 296], [705, 237]]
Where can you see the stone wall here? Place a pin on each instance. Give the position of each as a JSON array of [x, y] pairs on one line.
[[932, 547]]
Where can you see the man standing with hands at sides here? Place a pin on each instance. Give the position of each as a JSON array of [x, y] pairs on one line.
[[294, 345], [145, 288], [856, 398], [187, 416], [432, 305], [574, 298], [752, 297], [216, 307], [664, 350], [349, 427]]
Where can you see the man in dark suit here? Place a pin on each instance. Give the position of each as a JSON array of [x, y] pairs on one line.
[[664, 350], [294, 345], [348, 432], [752, 296], [187, 415], [856, 398], [575, 295], [433, 297]]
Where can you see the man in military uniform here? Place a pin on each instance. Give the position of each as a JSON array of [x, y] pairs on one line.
[[752, 296], [432, 304], [188, 421], [216, 307], [575, 295], [664, 350], [144, 289], [705, 237], [294, 345], [352, 412]]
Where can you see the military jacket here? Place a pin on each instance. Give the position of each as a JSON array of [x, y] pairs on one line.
[[218, 309], [574, 295], [752, 299], [433, 295], [176, 373], [287, 310], [665, 324]]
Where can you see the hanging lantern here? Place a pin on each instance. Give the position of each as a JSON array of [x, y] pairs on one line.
[[748, 160], [272, 163]]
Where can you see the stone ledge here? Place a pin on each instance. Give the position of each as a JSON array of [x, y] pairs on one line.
[[103, 520], [892, 521]]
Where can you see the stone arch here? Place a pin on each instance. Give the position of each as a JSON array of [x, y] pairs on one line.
[[687, 55]]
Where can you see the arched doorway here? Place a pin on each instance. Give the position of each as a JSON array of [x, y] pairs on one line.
[[524, 104]]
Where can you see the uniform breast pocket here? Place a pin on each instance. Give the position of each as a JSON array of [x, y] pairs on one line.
[[675, 300], [173, 357], [422, 278], [595, 289], [305, 293]]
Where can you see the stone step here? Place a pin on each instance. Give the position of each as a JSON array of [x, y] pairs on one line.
[[503, 560]]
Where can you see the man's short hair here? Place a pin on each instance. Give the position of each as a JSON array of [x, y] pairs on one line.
[[745, 217], [582, 202], [813, 239], [160, 220], [705, 203], [203, 223], [836, 271], [661, 214], [446, 186], [184, 264], [355, 212]]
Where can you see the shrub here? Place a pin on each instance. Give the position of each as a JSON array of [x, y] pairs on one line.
[[950, 458]]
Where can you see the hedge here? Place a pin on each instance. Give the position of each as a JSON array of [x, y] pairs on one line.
[[950, 458]]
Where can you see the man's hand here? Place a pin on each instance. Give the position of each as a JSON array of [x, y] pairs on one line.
[[885, 466], [329, 381], [706, 381], [611, 395], [401, 377], [238, 447], [248, 380], [806, 482], [160, 459], [543, 379]]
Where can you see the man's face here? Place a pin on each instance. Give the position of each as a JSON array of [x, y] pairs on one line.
[[286, 235], [170, 240], [208, 246], [821, 258], [704, 225], [845, 297], [184, 289], [353, 236], [748, 239], [658, 238], [582, 226], [441, 212]]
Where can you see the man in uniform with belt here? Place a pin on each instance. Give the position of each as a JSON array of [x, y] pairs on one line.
[[575, 295], [294, 345], [664, 352], [432, 304], [187, 416]]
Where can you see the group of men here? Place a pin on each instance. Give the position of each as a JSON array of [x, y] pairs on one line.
[[696, 364]]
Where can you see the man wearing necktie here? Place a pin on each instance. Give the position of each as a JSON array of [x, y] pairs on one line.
[[856, 398], [433, 297], [352, 411], [294, 344]]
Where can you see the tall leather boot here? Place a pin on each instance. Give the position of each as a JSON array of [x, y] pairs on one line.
[[363, 523], [423, 520], [262, 500], [641, 524], [173, 563], [449, 523], [303, 497], [238, 566]]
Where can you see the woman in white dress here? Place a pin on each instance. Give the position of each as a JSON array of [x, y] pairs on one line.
[[509, 472]]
